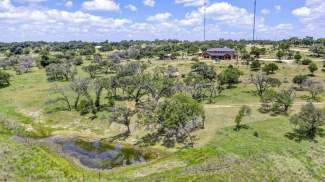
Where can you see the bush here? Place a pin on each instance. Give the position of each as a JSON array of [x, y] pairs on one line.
[[255, 65], [306, 61], [308, 120], [195, 59], [312, 68], [297, 57], [299, 79], [77, 61], [270, 68], [229, 76], [4, 79], [85, 107]]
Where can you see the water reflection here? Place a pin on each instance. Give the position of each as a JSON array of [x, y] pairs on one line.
[[99, 155]]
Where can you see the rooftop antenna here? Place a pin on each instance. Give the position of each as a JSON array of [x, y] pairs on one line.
[[254, 25], [204, 19]]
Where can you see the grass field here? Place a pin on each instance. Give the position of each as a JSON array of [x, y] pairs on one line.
[[264, 151]]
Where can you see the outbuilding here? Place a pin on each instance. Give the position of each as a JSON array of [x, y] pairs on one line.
[[220, 53]]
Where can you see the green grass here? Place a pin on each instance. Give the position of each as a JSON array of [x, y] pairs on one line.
[[269, 157]]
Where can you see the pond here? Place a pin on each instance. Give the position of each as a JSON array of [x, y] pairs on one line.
[[95, 154]]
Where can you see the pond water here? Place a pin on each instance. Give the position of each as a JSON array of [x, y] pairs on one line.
[[95, 154], [103, 156]]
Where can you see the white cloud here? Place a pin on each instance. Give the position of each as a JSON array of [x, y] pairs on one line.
[[102, 5], [150, 3], [277, 7], [191, 2], [228, 14], [160, 17], [69, 4], [283, 27], [303, 12], [31, 1], [6, 5], [15, 16], [265, 11], [131, 7], [312, 16]]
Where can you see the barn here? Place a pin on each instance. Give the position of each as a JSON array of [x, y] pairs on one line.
[[220, 53]]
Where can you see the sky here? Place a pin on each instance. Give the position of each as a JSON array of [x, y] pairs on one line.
[[115, 20]]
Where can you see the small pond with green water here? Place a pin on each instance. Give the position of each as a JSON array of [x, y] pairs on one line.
[[94, 154]]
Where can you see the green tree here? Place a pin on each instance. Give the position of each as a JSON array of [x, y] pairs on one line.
[[262, 83], [309, 120], [4, 79], [176, 118], [283, 101], [92, 70], [255, 65], [122, 115], [229, 76], [306, 61], [280, 55], [299, 80], [202, 69], [267, 100], [315, 90], [318, 50], [244, 111], [312, 68], [270, 68], [297, 57]]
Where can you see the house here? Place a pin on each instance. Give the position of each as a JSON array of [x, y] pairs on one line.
[[220, 53]]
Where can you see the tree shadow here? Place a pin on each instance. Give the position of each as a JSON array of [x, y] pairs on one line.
[[56, 109], [120, 137], [119, 98], [311, 99], [149, 139], [4, 86], [298, 135], [243, 126]]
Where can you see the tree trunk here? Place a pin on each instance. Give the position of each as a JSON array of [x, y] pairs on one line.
[[76, 102], [97, 101]]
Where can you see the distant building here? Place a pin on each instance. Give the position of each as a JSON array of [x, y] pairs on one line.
[[219, 53]]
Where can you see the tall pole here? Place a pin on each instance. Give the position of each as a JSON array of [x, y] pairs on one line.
[[204, 20], [254, 25]]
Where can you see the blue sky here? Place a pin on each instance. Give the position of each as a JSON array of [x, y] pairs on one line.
[[114, 20]]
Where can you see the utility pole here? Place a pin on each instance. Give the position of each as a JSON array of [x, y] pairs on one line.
[[254, 25], [204, 20]]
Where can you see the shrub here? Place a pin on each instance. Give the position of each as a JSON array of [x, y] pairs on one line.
[[306, 61], [309, 120], [270, 68], [255, 65], [312, 68], [4, 79], [195, 59], [299, 79]]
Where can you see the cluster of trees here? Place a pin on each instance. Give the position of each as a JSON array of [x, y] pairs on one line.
[[271, 100], [168, 104], [143, 90], [21, 64], [63, 71]]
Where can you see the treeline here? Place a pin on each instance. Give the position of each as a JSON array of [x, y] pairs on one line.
[[155, 47]]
